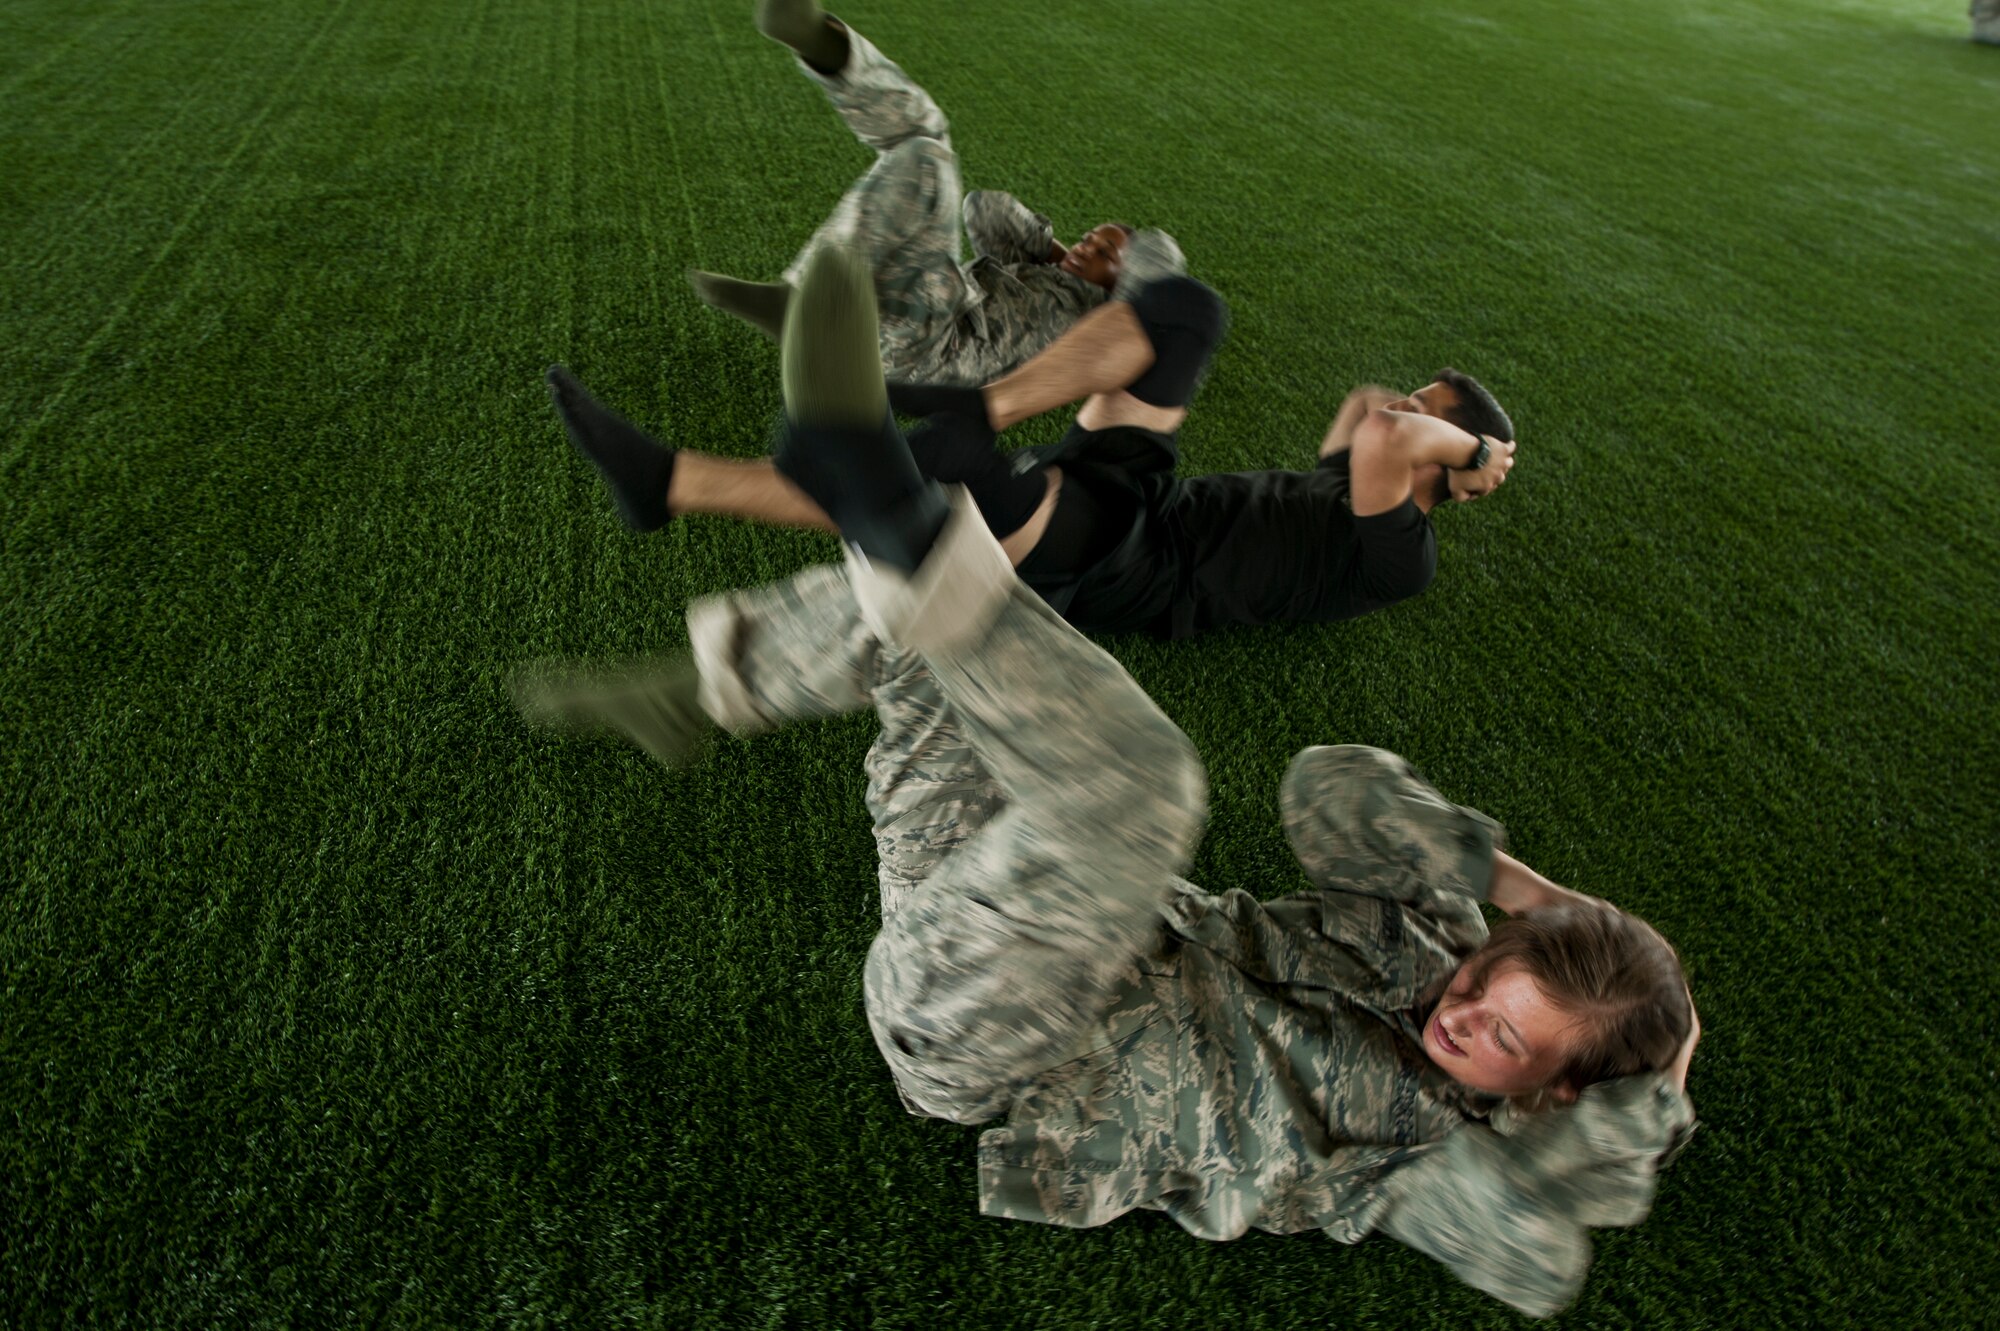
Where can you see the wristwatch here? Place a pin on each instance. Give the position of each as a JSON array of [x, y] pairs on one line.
[[1479, 458]]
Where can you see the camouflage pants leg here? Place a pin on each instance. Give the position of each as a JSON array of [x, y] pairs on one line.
[[799, 649], [1032, 805], [903, 215]]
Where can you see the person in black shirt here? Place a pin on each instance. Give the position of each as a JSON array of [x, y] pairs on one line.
[[1098, 524]]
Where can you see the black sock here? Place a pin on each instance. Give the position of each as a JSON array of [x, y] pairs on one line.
[[869, 485], [636, 467], [840, 444], [930, 399], [1007, 487]]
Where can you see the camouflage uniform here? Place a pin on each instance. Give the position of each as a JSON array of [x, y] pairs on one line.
[[1264, 1068], [1231, 1062], [943, 321], [1013, 895]]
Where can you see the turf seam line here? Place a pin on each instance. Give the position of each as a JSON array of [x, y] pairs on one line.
[[223, 173], [56, 52]]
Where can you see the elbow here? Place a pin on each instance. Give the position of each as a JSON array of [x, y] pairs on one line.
[[1380, 433], [1327, 793], [974, 214]]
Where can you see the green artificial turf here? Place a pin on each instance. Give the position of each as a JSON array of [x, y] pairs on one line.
[[332, 996]]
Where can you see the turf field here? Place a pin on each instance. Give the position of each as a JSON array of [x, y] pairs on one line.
[[334, 997]]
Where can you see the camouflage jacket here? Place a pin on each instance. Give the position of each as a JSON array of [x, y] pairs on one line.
[[1019, 302], [1263, 1068]]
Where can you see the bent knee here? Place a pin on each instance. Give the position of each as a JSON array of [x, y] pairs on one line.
[[1346, 769], [1361, 762], [917, 153], [1184, 320], [978, 204], [1182, 783], [1347, 787], [912, 189], [1154, 797], [1183, 302], [937, 1075]]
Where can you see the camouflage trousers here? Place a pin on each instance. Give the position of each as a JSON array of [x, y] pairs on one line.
[[902, 216], [1032, 807]]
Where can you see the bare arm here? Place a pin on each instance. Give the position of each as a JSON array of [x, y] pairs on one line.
[[1517, 888], [1389, 445], [1358, 404], [1678, 1073]]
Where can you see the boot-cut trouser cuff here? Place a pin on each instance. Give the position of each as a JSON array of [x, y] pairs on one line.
[[713, 625], [952, 598]]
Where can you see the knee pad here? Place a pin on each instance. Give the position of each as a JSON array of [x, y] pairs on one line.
[[959, 450], [1184, 320]]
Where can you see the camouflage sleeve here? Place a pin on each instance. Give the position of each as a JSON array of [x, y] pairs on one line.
[[1269, 941], [1150, 256], [1509, 1213], [1003, 228], [1361, 820]]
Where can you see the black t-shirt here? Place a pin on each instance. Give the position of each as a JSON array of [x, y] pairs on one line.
[[1264, 547], [1131, 587], [1255, 547]]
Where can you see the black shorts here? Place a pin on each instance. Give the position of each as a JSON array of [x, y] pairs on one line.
[[1130, 584]]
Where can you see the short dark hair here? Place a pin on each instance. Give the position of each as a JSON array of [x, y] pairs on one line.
[[1126, 227], [1474, 410]]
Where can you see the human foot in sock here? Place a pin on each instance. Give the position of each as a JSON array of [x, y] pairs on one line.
[[802, 25], [654, 704], [840, 444], [759, 304], [636, 467]]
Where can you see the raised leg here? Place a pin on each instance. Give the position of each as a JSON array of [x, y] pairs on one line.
[[800, 649], [753, 490], [746, 488], [997, 965], [651, 483], [1135, 362], [1104, 351], [882, 105], [997, 968], [1031, 806], [902, 219]]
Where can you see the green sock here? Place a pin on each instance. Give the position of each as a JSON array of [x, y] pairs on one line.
[[832, 358], [805, 27], [655, 704], [759, 304], [840, 445]]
